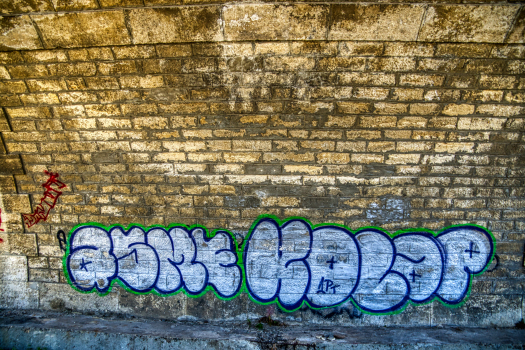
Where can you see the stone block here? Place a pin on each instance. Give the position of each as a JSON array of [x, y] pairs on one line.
[[61, 297], [375, 22], [13, 268], [181, 24], [83, 29], [18, 295], [11, 165], [18, 33], [275, 22], [467, 23]]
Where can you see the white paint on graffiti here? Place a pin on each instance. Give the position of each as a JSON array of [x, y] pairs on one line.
[[275, 259], [468, 251], [220, 261], [290, 263], [419, 258], [334, 266], [91, 262], [379, 289], [166, 261], [138, 262]]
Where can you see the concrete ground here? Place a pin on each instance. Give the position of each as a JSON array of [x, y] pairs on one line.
[[41, 330]]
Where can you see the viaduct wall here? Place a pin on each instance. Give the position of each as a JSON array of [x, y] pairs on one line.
[[320, 162]]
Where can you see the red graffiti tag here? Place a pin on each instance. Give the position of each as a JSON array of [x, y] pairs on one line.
[[48, 202]]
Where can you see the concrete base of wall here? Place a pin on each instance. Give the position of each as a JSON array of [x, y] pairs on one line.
[[39, 330]]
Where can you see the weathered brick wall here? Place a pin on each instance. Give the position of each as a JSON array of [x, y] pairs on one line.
[[392, 115]]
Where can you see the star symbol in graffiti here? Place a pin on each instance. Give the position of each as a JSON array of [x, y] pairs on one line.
[[84, 264]]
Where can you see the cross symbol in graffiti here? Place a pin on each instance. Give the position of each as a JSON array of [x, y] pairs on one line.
[[331, 262], [84, 264], [414, 275], [471, 250]]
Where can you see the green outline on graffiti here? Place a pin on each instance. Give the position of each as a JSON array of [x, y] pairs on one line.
[[153, 291], [240, 262]]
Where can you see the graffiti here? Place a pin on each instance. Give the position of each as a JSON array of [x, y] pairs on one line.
[[62, 241], [1, 229], [290, 263], [47, 202], [164, 260]]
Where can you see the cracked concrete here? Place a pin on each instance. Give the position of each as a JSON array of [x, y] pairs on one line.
[[22, 330]]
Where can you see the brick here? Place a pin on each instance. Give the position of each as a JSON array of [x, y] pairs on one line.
[[32, 99], [101, 83], [271, 48], [454, 147], [72, 69], [342, 64], [403, 159], [269, 157], [458, 109], [377, 79], [179, 24], [497, 81], [275, 22], [83, 29], [29, 112], [375, 22], [377, 122], [12, 87], [314, 48], [289, 63], [239, 145], [421, 80], [412, 122], [117, 68], [409, 49], [367, 158], [397, 64], [371, 93], [142, 82], [499, 110], [481, 123], [133, 52], [363, 134], [33, 71], [401, 94], [356, 48], [381, 146], [241, 157]]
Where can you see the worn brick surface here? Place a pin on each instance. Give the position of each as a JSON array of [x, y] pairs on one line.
[[156, 112]]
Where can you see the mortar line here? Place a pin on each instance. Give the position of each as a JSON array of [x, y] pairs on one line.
[[98, 4], [506, 37], [128, 27], [423, 18], [222, 25], [211, 4], [37, 29], [66, 49], [329, 24]]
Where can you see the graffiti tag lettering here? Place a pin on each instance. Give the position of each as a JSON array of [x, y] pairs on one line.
[[47, 202], [291, 263]]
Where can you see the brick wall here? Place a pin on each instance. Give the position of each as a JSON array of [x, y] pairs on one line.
[[392, 115]]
